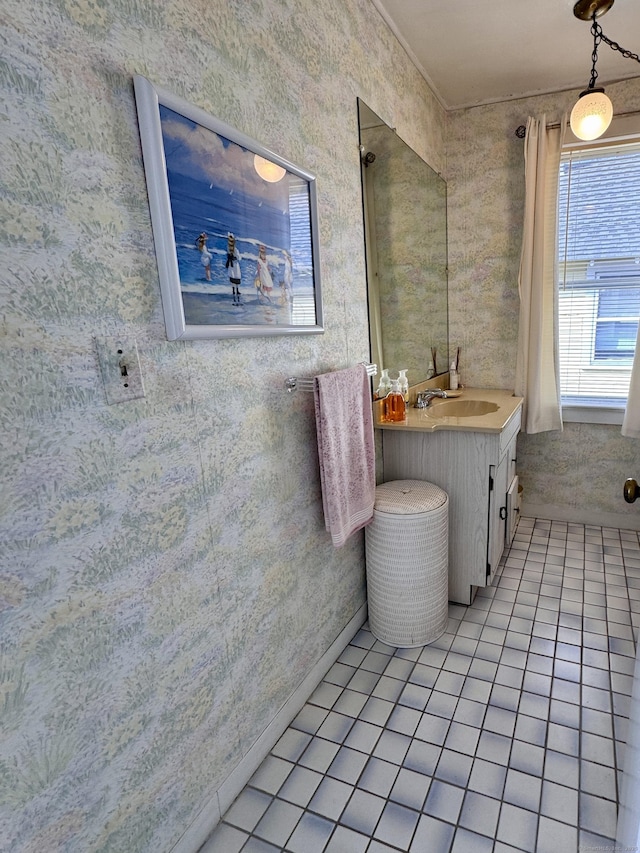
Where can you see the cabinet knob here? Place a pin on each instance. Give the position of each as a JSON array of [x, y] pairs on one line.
[[630, 490]]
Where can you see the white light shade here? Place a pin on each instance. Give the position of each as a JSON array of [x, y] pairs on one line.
[[591, 115], [267, 170]]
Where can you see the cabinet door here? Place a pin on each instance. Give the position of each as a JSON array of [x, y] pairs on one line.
[[497, 514], [513, 510]]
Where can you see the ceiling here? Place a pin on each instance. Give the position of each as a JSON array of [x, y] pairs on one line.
[[479, 52]]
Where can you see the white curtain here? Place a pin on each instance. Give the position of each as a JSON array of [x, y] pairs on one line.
[[631, 421], [537, 378]]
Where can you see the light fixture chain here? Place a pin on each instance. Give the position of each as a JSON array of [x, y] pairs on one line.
[[596, 30], [615, 46]]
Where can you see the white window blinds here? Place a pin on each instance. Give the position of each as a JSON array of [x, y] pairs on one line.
[[303, 306], [599, 272]]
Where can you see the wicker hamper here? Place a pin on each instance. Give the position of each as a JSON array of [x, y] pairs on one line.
[[407, 563]]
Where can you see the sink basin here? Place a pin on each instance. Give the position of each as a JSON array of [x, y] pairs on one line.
[[461, 408]]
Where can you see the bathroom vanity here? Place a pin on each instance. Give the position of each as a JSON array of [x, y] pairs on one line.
[[467, 446]]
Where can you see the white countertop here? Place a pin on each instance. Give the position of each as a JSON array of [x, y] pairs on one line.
[[425, 421]]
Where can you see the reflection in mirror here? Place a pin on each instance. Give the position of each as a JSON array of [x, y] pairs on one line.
[[405, 204]]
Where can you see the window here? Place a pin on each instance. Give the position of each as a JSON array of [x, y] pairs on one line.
[[599, 273], [617, 324]]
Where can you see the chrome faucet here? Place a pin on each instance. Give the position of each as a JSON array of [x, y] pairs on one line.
[[425, 397]]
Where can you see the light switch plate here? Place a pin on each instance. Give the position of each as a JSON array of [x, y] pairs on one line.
[[120, 368]]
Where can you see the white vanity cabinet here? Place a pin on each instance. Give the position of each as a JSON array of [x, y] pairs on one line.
[[477, 470]]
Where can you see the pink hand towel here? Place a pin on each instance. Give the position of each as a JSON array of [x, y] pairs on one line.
[[344, 423]]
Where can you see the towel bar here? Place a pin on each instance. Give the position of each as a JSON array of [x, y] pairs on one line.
[[294, 383]]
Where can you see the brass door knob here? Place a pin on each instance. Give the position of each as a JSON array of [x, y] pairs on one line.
[[630, 491]]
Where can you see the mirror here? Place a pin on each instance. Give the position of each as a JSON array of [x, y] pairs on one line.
[[405, 214]]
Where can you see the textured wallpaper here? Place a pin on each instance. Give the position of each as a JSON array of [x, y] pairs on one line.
[[582, 469], [165, 577]]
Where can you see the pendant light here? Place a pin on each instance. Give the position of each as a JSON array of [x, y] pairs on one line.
[[591, 114], [593, 111]]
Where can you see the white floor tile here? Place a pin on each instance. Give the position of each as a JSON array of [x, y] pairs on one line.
[[444, 801], [397, 825], [347, 764], [271, 774], [559, 802], [311, 833], [527, 758], [422, 757], [522, 789], [248, 809], [330, 798], [378, 777], [347, 841], [487, 778], [518, 827], [554, 836], [335, 727], [319, 755], [376, 711], [225, 839], [432, 834], [480, 813], [410, 788], [597, 815], [300, 786], [466, 841], [496, 738], [362, 812], [278, 822]]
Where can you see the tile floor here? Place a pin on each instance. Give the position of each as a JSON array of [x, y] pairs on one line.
[[504, 735]]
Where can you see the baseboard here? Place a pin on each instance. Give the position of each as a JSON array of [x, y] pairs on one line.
[[621, 521], [211, 813]]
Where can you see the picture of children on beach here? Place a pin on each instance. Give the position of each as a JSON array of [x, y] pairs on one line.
[[243, 242]]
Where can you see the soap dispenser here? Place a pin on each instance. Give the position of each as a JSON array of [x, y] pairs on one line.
[[384, 386], [404, 384], [394, 409], [453, 376]]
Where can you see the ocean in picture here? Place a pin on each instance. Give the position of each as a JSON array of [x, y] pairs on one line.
[[243, 244]]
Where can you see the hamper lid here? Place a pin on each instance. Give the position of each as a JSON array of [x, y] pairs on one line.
[[404, 497]]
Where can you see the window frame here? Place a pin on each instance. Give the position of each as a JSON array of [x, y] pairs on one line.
[[624, 129]]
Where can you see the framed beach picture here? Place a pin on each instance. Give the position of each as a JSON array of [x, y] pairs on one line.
[[234, 226]]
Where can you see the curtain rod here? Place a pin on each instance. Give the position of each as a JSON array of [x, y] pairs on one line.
[[522, 129]]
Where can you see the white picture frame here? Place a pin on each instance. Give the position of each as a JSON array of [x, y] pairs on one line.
[[237, 249]]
